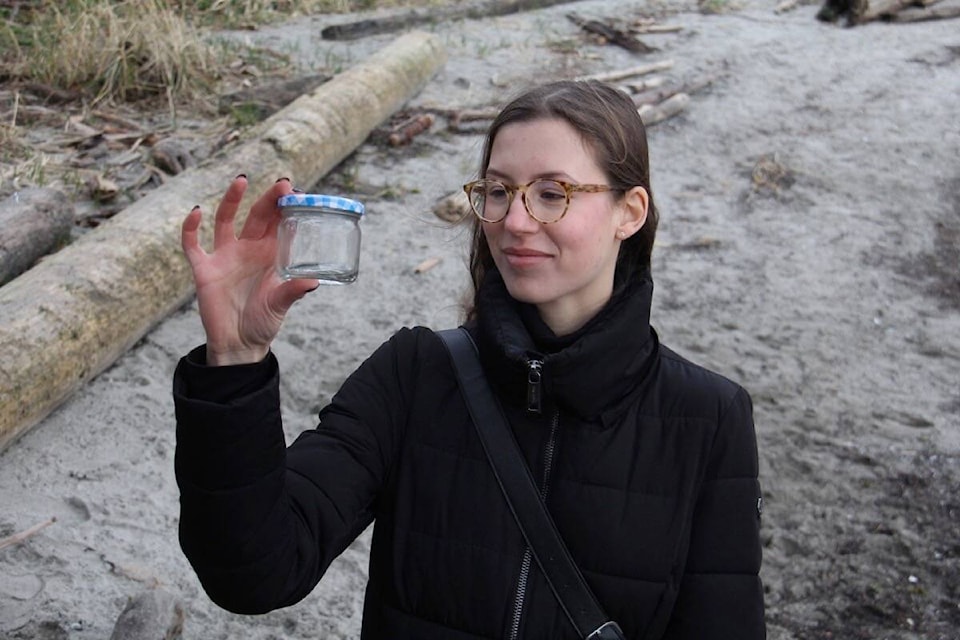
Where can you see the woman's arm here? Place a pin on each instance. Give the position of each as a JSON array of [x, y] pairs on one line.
[[720, 594], [261, 523]]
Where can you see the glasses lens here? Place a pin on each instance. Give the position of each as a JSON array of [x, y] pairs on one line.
[[547, 200], [490, 200]]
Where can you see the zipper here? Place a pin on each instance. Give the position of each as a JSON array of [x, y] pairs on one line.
[[521, 593], [534, 385]]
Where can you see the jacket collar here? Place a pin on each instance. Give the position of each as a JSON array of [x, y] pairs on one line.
[[592, 374]]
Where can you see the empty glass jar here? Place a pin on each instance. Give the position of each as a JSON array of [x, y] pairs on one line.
[[319, 237]]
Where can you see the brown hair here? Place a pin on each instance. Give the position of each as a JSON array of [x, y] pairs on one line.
[[610, 126]]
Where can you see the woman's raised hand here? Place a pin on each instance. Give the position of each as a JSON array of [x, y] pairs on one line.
[[242, 299]]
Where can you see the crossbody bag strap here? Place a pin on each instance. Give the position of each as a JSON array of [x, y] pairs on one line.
[[518, 486]]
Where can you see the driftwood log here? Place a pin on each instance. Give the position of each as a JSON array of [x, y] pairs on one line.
[[652, 114], [67, 319], [863, 11], [433, 15], [942, 11], [33, 222], [632, 72], [611, 34]]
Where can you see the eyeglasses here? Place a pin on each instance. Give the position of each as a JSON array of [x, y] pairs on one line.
[[545, 200]]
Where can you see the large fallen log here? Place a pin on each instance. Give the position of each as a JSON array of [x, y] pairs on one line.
[[432, 15], [33, 222], [71, 316]]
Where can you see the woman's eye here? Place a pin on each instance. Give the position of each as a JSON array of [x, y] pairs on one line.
[[552, 195]]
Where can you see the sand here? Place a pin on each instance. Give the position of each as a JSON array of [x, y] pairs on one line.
[[809, 248]]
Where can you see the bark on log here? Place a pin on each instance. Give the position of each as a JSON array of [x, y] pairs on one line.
[[942, 11], [433, 15], [71, 316], [33, 222]]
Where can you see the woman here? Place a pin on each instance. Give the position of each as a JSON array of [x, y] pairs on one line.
[[646, 462]]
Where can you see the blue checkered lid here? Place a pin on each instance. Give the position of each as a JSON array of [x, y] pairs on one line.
[[319, 201]]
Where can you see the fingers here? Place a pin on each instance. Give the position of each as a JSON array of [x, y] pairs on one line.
[[264, 215], [190, 235], [227, 212]]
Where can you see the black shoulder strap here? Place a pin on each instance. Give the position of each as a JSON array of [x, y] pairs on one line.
[[520, 490]]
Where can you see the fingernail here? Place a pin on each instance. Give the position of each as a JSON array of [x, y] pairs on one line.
[[282, 179], [241, 175], [313, 289], [195, 207], [295, 190]]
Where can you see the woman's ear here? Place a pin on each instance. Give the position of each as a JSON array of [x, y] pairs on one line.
[[633, 214]]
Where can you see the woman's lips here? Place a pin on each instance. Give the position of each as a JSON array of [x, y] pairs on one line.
[[519, 257]]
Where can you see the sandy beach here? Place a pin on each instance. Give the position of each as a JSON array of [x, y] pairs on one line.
[[809, 248]]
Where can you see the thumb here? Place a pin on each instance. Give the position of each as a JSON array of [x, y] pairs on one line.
[[291, 291]]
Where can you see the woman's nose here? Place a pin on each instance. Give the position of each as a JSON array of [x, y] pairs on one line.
[[517, 219]]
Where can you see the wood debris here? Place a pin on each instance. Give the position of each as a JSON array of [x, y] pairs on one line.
[[652, 114], [17, 538], [857, 12], [426, 265], [611, 34], [432, 15], [651, 26], [407, 130], [631, 72]]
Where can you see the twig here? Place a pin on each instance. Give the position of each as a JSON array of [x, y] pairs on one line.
[[16, 109], [609, 76], [109, 117], [657, 28], [456, 118], [17, 538], [786, 5], [426, 265]]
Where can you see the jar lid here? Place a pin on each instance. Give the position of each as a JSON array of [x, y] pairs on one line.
[[320, 201]]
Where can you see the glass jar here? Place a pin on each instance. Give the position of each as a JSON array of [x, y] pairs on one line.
[[319, 237]]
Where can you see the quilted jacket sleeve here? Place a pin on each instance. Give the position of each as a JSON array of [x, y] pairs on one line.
[[720, 596], [261, 523]]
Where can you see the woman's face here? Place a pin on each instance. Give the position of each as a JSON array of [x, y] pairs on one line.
[[566, 268]]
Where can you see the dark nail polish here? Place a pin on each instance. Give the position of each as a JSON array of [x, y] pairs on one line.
[[241, 175], [282, 179], [195, 207]]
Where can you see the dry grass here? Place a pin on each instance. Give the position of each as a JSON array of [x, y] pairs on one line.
[[147, 55], [130, 49], [107, 50]]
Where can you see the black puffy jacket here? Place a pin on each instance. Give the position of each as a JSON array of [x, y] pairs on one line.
[[648, 464]]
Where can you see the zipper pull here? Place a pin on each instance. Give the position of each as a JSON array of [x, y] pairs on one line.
[[534, 389]]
